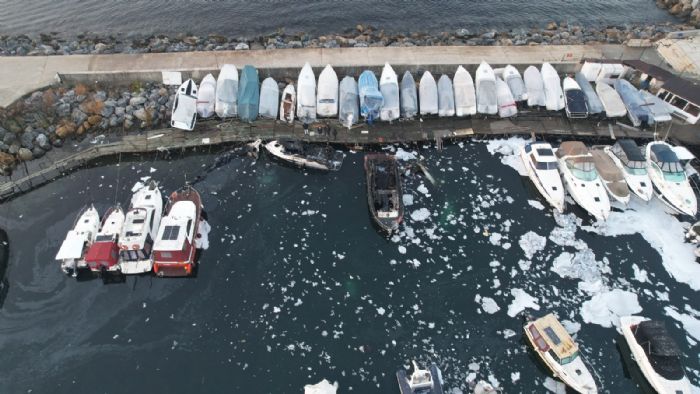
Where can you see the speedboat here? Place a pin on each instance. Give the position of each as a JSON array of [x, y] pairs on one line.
[[306, 94], [269, 99], [612, 103], [371, 99], [541, 166], [327, 95], [248, 94], [349, 100], [184, 113], [612, 176], [408, 96], [446, 97], [421, 381], [389, 86], [103, 255], [593, 103], [656, 354], [669, 178], [465, 94], [288, 104], [384, 195], [637, 112], [554, 96], [515, 82], [174, 249], [140, 228], [576, 107], [535, 87], [78, 241], [303, 154], [560, 353], [629, 158], [486, 101], [581, 179], [206, 98], [227, 91], [428, 94], [506, 103]]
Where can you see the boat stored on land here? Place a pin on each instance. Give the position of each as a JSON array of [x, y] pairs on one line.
[[306, 94], [553, 94], [465, 93], [288, 104], [103, 255], [612, 177], [248, 94], [422, 381], [227, 91], [535, 87], [541, 166], [384, 192], [206, 98], [612, 103], [78, 240], [506, 103], [371, 99], [349, 100], [428, 94], [515, 82], [269, 99], [576, 107], [389, 87], [581, 179], [327, 95], [304, 154], [659, 110], [446, 97], [140, 228], [408, 96], [174, 248], [592, 101], [637, 112], [486, 100], [669, 178], [184, 113], [629, 158]]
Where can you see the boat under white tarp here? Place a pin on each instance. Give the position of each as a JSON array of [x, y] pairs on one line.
[[612, 103], [428, 94], [327, 96], [660, 110], [515, 82], [465, 93], [349, 101], [269, 99], [408, 96], [446, 97], [206, 98], [306, 94], [590, 70], [486, 101], [592, 100], [389, 87], [535, 87], [227, 91], [506, 102], [553, 94]]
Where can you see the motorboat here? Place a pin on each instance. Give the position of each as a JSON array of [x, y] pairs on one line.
[[581, 180], [306, 94], [576, 107], [140, 229], [78, 240], [206, 98], [612, 176], [506, 103], [535, 87], [656, 353], [486, 100], [306, 155], [465, 93], [327, 95], [227, 92], [669, 179], [515, 82], [446, 97], [248, 94], [408, 96], [349, 100], [389, 87], [637, 112], [593, 103], [288, 104], [371, 99], [174, 249], [384, 195], [541, 166], [184, 113], [560, 353], [421, 381], [629, 158], [553, 94], [659, 110], [103, 255], [612, 103], [269, 99], [428, 94]]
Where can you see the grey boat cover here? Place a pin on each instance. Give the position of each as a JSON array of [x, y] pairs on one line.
[[446, 96], [349, 101], [636, 110], [269, 98], [571, 148], [248, 94], [659, 109], [610, 173], [515, 83], [534, 86], [594, 104], [409, 96]]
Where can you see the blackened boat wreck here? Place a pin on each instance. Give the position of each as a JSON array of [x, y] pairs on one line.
[[304, 154], [384, 190]]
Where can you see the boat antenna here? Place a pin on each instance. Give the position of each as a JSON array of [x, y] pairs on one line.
[[119, 168]]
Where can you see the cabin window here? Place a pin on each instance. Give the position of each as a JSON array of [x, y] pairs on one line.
[[166, 255], [678, 102], [133, 255], [692, 109], [569, 359], [528, 148], [170, 233], [582, 170], [663, 95], [554, 356]]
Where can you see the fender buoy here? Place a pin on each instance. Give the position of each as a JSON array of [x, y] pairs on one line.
[[123, 247], [135, 247]]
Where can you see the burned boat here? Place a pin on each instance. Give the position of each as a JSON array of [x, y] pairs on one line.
[[384, 190], [421, 381], [304, 154]]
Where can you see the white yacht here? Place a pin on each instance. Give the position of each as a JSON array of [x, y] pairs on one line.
[[541, 166], [140, 229], [422, 381], [656, 354], [629, 158], [560, 353], [78, 240], [669, 178], [581, 179]]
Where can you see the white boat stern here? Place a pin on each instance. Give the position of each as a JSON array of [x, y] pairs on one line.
[[135, 267]]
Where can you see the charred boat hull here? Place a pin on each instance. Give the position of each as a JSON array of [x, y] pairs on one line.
[[384, 193]]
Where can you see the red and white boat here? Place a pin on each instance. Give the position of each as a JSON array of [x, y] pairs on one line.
[[103, 255], [174, 248], [140, 228], [78, 240]]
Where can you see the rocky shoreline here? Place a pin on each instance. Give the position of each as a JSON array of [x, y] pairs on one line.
[[683, 9]]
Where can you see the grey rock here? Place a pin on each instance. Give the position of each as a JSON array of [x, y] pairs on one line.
[[14, 148], [63, 109], [119, 111], [138, 100], [100, 95], [113, 121], [141, 114], [43, 142], [37, 152], [107, 111], [489, 35], [24, 154], [9, 138], [80, 98], [462, 33], [58, 142], [4, 147], [294, 44], [78, 116], [242, 46], [100, 47], [26, 140]]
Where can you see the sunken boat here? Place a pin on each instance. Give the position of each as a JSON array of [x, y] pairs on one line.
[[306, 155], [384, 190]]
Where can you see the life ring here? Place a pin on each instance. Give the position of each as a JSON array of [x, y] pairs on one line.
[[135, 247]]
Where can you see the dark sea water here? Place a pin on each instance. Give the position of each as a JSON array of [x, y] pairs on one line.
[[298, 286], [250, 18]]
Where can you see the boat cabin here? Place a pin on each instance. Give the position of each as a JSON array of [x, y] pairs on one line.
[[102, 254], [135, 242], [631, 157], [549, 336], [661, 350], [578, 160], [541, 155], [73, 247], [667, 161], [602, 69], [174, 243]]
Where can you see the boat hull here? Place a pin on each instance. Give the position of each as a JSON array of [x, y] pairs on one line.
[[385, 223], [579, 191], [556, 201]]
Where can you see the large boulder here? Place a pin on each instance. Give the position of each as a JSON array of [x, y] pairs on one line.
[[7, 162], [66, 129], [25, 154], [42, 141], [138, 100], [37, 152], [91, 106], [78, 116], [94, 119], [27, 140], [144, 114]]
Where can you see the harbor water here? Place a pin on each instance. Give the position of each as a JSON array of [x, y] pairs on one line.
[[298, 286]]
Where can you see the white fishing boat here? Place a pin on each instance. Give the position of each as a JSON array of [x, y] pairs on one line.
[[553, 94], [541, 166], [408, 96], [306, 155], [612, 103], [629, 158], [465, 93], [486, 100], [560, 353], [269, 99], [288, 104], [669, 178], [428, 94], [349, 101], [72, 252], [581, 179], [327, 95], [103, 255], [421, 381], [227, 92], [206, 98], [535, 87], [506, 103], [656, 353], [446, 97], [140, 229], [306, 94], [515, 82], [612, 177], [184, 112], [576, 107], [389, 87]]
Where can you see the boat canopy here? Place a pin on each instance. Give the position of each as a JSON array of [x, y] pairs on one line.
[[446, 96], [371, 99], [349, 111], [606, 168], [486, 99], [506, 103], [103, 252], [575, 99], [663, 352], [72, 246], [227, 91], [248, 94], [534, 86], [327, 95], [572, 148], [627, 150], [548, 334], [269, 98], [666, 158], [554, 96], [306, 94], [592, 100], [206, 98]]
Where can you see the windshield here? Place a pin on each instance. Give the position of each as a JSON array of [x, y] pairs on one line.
[[636, 168], [569, 359], [543, 165], [672, 170], [583, 170]]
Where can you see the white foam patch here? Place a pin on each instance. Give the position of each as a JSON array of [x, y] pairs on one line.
[[606, 307], [420, 214], [407, 199], [404, 155], [536, 204], [509, 150], [521, 301], [322, 387], [582, 265], [531, 243], [691, 325], [488, 304]]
